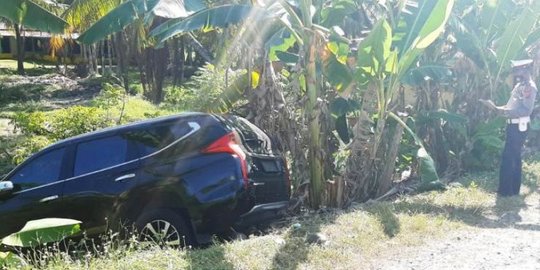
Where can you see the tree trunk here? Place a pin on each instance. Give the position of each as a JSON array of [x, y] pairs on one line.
[[20, 49], [189, 58], [141, 66], [178, 60], [95, 58], [122, 53], [387, 156], [102, 56], [110, 54], [313, 112], [182, 59], [160, 58]]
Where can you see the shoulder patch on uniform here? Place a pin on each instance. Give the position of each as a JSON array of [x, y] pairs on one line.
[[527, 91]]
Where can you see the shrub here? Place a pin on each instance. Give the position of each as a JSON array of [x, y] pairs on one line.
[[76, 120], [28, 147], [110, 96], [136, 89], [205, 91], [61, 124], [33, 123]]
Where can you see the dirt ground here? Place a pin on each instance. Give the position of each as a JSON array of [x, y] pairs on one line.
[[507, 240]]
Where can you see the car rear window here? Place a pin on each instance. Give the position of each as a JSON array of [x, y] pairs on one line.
[[254, 139], [100, 154]]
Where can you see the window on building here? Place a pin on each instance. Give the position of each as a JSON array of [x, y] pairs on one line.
[[5, 45]]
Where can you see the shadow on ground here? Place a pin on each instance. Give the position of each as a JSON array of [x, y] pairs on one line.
[[212, 257], [299, 239]]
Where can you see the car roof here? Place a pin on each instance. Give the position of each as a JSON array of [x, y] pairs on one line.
[[128, 126]]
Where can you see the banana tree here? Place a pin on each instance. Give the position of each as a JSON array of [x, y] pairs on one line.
[[485, 37], [384, 57], [492, 34], [27, 13]]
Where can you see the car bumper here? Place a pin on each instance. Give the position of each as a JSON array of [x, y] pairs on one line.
[[262, 213]]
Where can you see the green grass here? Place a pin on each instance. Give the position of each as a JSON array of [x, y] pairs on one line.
[[32, 68], [357, 236]]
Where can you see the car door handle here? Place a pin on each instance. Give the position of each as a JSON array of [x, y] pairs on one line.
[[48, 199], [124, 177]]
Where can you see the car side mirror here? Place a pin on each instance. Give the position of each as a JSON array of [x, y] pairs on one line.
[[6, 188]]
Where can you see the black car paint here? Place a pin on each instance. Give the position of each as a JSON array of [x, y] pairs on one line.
[[207, 189]]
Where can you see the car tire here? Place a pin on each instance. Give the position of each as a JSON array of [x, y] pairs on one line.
[[164, 228]]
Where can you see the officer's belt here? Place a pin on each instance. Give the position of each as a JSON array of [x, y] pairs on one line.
[[525, 119]]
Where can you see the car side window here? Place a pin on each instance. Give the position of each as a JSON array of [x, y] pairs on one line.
[[151, 139], [100, 154], [42, 170]]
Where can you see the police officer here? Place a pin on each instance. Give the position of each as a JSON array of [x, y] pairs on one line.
[[517, 110]]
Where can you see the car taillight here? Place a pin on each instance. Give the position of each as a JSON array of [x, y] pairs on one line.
[[230, 143]]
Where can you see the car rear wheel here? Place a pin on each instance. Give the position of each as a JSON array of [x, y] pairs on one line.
[[164, 228]]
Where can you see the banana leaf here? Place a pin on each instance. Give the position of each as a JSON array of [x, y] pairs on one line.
[[428, 170], [173, 9], [217, 17], [117, 19], [469, 43], [31, 15], [411, 22], [494, 17], [335, 69], [435, 72], [375, 48], [41, 231], [511, 43], [430, 30], [334, 13], [447, 116], [280, 41], [287, 58]]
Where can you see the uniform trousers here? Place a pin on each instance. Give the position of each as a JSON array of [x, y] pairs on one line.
[[510, 171]]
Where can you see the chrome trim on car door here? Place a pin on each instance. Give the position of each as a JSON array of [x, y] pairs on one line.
[[124, 177], [48, 199]]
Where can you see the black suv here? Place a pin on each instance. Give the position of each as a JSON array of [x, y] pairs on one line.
[[176, 178]]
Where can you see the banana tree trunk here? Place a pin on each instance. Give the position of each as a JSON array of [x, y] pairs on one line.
[[392, 135], [315, 145]]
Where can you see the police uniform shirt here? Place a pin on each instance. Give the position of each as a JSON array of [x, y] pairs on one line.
[[521, 103]]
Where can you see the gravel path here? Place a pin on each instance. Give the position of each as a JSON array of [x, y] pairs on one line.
[[511, 242]]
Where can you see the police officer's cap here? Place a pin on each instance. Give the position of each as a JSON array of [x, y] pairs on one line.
[[522, 64]]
